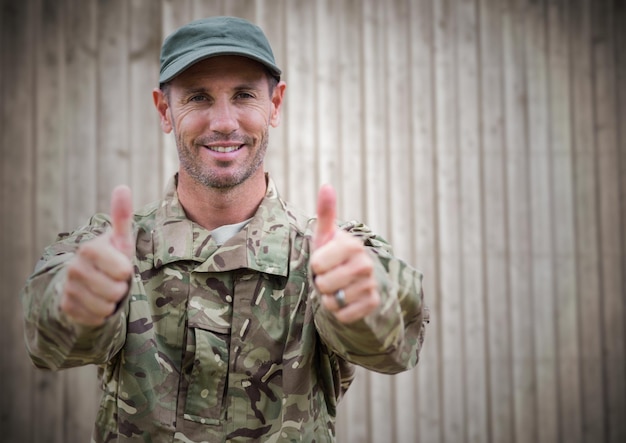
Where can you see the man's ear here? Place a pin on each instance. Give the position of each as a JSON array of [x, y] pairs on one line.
[[277, 101], [161, 104]]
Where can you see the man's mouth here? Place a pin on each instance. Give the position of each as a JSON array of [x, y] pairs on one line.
[[224, 149]]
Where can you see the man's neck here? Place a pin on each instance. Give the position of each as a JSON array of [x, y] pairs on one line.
[[212, 208]]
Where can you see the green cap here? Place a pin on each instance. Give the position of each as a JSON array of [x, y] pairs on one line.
[[213, 36]]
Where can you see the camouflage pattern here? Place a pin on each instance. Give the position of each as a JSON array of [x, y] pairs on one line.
[[223, 343]]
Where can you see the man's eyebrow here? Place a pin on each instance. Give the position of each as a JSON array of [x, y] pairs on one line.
[[248, 86], [195, 90]]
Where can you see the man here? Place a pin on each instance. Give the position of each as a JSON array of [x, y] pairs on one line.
[[221, 312]]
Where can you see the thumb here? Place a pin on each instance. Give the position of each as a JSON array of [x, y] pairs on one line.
[[326, 214], [122, 219]]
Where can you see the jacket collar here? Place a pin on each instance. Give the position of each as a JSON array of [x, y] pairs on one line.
[[262, 245]]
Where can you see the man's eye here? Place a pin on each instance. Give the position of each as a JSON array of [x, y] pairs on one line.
[[197, 98], [244, 95]]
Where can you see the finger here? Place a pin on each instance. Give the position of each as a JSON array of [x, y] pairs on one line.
[[345, 250], [326, 215], [354, 310], [83, 276], [353, 294], [83, 307], [122, 219], [105, 257], [89, 304]]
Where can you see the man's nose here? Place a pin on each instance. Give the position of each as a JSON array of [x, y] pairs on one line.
[[223, 117]]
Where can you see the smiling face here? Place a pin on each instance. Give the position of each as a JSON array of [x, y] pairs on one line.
[[220, 111]]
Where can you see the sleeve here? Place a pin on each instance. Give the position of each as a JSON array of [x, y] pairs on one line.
[[389, 339], [52, 340]]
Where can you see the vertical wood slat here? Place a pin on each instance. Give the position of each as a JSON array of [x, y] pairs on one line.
[[81, 121], [495, 209], [349, 179], [271, 18], [373, 108], [542, 285], [301, 139], [400, 153], [449, 241], [424, 213], [517, 171], [81, 68], [113, 154], [48, 188], [17, 241], [471, 227], [564, 237], [349, 74], [324, 57], [586, 193], [620, 60], [144, 138], [376, 199], [610, 225]]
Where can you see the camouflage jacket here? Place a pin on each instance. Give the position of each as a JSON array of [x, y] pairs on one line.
[[223, 343]]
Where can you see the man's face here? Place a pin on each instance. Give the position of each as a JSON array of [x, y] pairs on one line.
[[220, 111]]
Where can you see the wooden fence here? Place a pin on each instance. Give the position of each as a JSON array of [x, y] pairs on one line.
[[484, 138]]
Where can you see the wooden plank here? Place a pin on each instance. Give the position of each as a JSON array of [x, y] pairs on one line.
[[496, 257], [611, 225], [350, 179], [83, 164], [620, 59], [325, 58], [449, 240], [113, 141], [241, 8], [517, 171], [586, 217], [271, 18], [398, 122], [563, 231], [326, 115], [338, 49], [542, 273], [301, 183], [424, 210], [471, 228], [48, 409], [376, 199], [17, 30], [80, 90], [348, 74], [81, 119], [146, 181], [206, 8]]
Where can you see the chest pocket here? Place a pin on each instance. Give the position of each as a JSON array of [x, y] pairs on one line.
[[209, 343]]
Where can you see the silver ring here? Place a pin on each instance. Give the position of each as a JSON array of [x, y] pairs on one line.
[[340, 298]]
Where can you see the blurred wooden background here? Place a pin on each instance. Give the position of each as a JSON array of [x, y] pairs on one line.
[[484, 138]]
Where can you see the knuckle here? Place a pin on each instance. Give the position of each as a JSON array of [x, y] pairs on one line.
[[364, 266]]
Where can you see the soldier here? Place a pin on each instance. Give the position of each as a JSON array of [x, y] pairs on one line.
[[221, 312]]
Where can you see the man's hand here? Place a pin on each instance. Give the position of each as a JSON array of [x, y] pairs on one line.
[[98, 276], [341, 262]]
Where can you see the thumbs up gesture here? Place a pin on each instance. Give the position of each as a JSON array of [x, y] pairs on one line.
[[344, 271], [98, 276]]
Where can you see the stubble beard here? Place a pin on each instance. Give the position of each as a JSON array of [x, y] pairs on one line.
[[210, 177]]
